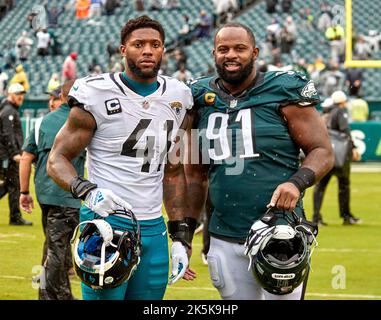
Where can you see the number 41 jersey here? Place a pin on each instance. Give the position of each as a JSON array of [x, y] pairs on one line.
[[132, 137]]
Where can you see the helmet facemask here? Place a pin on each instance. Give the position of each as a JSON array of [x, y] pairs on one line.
[[103, 257], [282, 260]]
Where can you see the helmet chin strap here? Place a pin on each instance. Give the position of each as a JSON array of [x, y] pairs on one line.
[[102, 266], [310, 233]]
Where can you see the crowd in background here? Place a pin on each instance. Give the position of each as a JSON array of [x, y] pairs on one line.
[[282, 34], [280, 40]]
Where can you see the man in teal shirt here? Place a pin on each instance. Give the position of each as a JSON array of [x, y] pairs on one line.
[[60, 211]]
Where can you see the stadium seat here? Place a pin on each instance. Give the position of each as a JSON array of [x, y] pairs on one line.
[[90, 41]]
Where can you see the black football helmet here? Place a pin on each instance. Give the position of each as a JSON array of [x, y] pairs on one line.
[[280, 254], [103, 257]]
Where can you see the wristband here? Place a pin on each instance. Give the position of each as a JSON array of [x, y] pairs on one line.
[[80, 187], [303, 178], [182, 230], [24, 192]]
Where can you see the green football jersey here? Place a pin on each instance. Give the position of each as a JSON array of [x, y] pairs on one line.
[[47, 191], [246, 142]]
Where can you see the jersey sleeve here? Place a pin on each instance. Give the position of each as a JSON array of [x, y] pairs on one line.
[[78, 94], [188, 99], [299, 90], [30, 145], [198, 93]]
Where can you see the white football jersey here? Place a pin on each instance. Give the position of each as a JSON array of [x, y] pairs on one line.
[[133, 135]]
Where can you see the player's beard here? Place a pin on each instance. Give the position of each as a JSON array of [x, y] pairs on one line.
[[236, 77], [143, 74]]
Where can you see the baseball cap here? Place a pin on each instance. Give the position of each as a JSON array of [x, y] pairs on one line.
[[16, 88], [327, 103], [55, 93], [338, 97], [73, 55]]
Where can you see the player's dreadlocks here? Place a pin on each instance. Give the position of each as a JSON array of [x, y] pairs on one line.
[[140, 23]]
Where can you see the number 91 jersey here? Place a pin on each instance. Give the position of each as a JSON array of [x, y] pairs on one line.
[[128, 151], [246, 142]]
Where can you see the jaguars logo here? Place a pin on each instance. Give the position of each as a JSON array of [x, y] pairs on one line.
[[210, 97], [177, 106]]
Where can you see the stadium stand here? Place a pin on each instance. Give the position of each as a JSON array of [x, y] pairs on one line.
[[90, 40]]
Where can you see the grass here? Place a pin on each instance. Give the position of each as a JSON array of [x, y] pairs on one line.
[[353, 250]]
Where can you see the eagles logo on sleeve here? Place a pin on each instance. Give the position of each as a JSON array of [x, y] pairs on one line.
[[309, 90]]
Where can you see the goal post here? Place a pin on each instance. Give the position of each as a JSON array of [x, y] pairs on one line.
[[349, 62]]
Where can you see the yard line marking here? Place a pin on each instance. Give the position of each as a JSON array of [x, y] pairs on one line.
[[366, 169], [192, 288], [349, 250], [12, 277], [342, 250], [16, 235], [316, 294], [327, 295], [344, 295]]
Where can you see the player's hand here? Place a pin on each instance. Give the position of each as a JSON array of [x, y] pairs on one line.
[[17, 158], [189, 274], [26, 202], [180, 262], [356, 156], [105, 202], [285, 197]]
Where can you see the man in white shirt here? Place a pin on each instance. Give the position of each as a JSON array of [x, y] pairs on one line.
[[43, 40]]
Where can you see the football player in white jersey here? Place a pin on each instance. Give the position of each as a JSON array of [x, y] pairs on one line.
[[128, 122]]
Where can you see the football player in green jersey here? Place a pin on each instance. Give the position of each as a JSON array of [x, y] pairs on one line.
[[251, 127]]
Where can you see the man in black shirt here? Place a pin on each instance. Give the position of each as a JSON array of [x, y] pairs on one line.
[[338, 120], [11, 140]]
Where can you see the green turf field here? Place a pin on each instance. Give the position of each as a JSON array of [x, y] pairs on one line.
[[346, 264]]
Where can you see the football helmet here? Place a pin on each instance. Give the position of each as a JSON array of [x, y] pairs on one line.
[[103, 257], [280, 254]]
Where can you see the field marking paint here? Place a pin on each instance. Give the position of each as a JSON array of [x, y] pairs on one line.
[[348, 250], [192, 288], [366, 169], [341, 250], [326, 295], [344, 295], [16, 235], [12, 277], [316, 294]]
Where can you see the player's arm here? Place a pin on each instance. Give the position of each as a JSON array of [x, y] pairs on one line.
[[309, 132], [73, 137], [181, 224], [26, 200], [196, 172]]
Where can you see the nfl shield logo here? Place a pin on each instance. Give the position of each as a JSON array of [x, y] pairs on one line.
[[145, 104], [233, 103]]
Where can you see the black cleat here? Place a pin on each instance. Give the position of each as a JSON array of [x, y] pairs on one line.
[[358, 220], [350, 220], [320, 222], [20, 222]]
